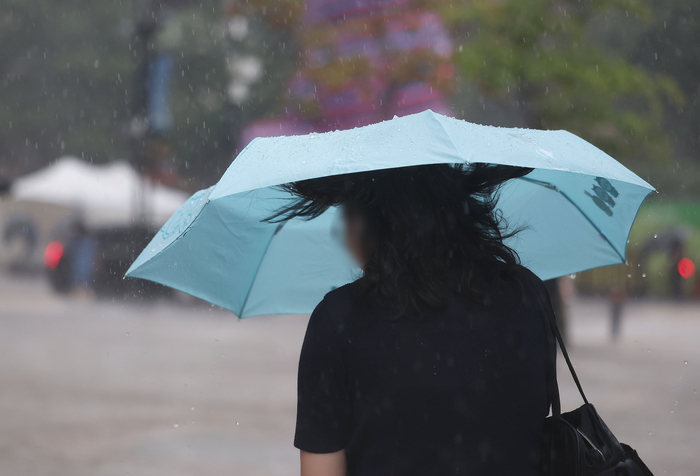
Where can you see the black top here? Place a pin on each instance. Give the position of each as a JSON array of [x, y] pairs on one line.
[[460, 392]]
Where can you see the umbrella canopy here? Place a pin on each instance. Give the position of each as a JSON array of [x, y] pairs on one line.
[[577, 207], [105, 194]]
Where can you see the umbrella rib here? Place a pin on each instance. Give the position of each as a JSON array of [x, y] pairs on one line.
[[592, 223], [451, 139], [128, 272], [257, 270]]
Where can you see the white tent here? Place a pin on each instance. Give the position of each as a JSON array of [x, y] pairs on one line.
[[104, 194]]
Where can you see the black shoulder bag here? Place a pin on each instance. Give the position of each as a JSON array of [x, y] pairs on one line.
[[578, 443]]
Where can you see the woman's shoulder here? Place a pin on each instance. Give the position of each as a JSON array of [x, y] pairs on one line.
[[335, 308], [341, 296], [527, 276], [534, 288]]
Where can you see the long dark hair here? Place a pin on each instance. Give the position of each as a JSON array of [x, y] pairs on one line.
[[434, 229]]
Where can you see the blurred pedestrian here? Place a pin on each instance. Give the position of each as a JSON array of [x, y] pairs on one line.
[[83, 248], [676, 253], [618, 296], [434, 361]]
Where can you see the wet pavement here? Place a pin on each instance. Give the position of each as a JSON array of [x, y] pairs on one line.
[[179, 388]]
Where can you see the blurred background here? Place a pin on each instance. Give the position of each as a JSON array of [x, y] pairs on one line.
[[113, 113]]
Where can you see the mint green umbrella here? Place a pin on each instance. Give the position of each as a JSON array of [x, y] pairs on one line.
[[578, 206]]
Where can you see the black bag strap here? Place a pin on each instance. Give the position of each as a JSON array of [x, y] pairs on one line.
[[553, 336]]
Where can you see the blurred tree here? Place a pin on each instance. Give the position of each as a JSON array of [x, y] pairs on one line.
[[67, 74], [671, 46], [197, 140], [261, 56], [536, 54], [668, 44], [357, 63], [64, 80], [67, 84], [228, 69]]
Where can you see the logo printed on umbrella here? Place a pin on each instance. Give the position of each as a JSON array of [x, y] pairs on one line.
[[604, 193], [179, 222]]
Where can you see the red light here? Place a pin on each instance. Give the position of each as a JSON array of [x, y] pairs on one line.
[[686, 268], [53, 254]]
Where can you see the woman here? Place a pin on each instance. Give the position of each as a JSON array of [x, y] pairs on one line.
[[433, 361]]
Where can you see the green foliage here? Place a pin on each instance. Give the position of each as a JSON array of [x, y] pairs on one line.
[[67, 84], [67, 75], [536, 51], [64, 80], [198, 143], [671, 46]]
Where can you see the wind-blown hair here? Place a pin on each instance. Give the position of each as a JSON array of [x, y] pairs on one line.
[[430, 229]]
